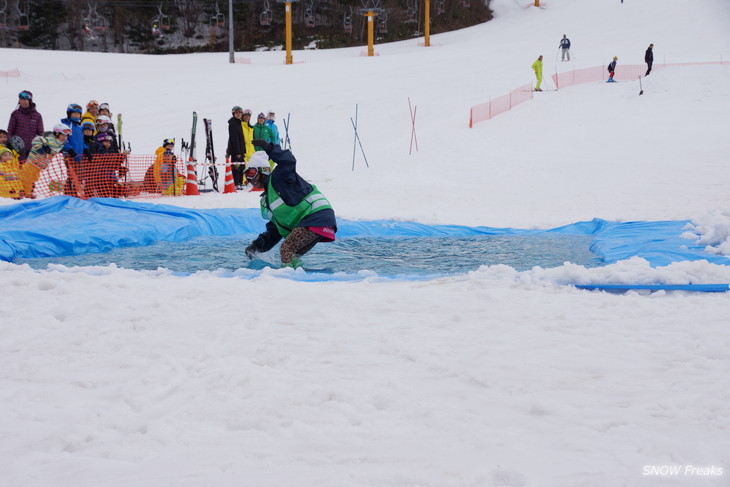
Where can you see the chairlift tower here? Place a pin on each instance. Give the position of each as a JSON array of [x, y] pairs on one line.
[[287, 17], [426, 23], [371, 9]]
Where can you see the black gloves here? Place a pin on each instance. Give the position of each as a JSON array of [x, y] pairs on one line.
[[72, 153], [265, 146], [251, 252]]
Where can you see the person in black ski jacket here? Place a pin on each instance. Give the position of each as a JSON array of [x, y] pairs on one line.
[[565, 46], [297, 211], [649, 58], [236, 149]]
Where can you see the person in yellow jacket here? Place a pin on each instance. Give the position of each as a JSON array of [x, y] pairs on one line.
[[92, 111], [537, 68], [10, 186], [247, 134]]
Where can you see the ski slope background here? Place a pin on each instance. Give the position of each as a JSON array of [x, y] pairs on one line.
[[114, 377]]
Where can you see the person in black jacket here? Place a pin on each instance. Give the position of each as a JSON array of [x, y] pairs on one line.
[[236, 149], [297, 211], [649, 58], [565, 47]]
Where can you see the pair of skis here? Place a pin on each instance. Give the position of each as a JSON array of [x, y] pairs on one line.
[[209, 151]]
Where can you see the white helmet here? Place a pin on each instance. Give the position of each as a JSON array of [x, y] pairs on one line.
[[61, 128], [260, 160], [102, 119]]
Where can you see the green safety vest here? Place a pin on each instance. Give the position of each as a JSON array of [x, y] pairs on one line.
[[286, 218]]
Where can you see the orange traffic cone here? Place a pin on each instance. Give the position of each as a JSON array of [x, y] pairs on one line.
[[229, 187], [191, 183]]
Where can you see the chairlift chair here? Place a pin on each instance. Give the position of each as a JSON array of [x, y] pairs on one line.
[[466, 3], [23, 18], [347, 21], [4, 15], [411, 12], [309, 18], [440, 7], [218, 20], [266, 16], [382, 23], [97, 21]]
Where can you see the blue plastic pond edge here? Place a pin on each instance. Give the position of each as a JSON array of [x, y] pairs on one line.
[[703, 288], [63, 225]]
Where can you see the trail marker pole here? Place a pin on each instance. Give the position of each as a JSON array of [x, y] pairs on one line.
[[357, 141], [413, 126]]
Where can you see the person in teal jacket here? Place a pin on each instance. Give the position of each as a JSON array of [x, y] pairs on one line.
[[270, 122], [261, 131], [537, 68], [297, 211]]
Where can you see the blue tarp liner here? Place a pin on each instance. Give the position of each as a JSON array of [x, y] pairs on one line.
[[620, 288], [68, 226]]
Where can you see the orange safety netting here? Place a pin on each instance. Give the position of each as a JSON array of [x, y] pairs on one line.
[[501, 104], [106, 175], [624, 72]]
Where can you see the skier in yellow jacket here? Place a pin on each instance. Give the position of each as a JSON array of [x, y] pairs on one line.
[[537, 68]]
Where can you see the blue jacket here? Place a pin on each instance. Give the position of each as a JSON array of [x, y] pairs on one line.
[[274, 132], [75, 141], [292, 189]]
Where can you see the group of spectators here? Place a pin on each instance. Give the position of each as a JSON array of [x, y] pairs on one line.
[[241, 136], [88, 140], [93, 155]]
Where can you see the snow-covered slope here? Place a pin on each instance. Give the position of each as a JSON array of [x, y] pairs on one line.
[[113, 377]]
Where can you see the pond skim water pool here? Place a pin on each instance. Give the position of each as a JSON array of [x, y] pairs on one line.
[[387, 256]]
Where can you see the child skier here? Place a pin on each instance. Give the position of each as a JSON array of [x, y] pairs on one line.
[[612, 70], [42, 151]]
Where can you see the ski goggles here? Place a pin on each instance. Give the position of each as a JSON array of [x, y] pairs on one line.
[[104, 106], [25, 95], [251, 173], [92, 103]]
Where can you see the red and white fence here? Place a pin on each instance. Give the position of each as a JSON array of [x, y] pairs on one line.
[[624, 72]]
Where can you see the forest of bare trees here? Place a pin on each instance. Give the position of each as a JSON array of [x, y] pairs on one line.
[[176, 26]]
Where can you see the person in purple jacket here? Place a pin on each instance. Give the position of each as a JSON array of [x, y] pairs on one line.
[[25, 121]]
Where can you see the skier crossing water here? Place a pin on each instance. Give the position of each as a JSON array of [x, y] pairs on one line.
[[296, 210]]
